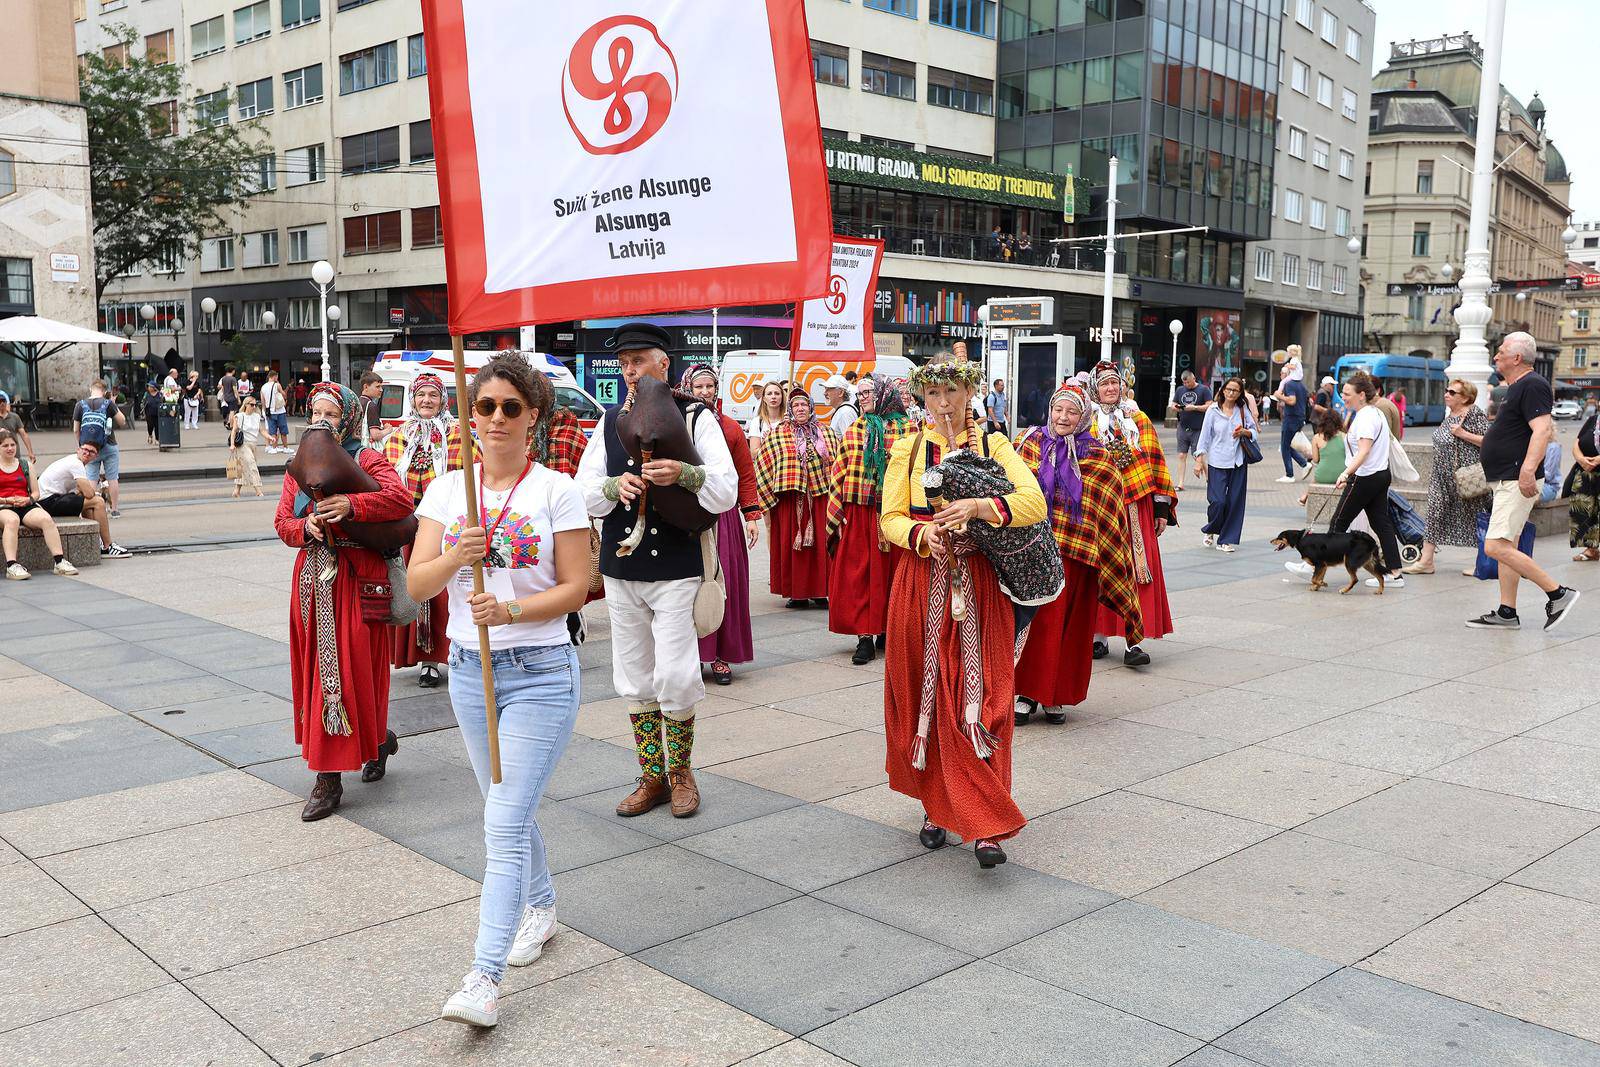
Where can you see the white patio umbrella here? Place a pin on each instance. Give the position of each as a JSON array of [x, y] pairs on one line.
[[37, 339]]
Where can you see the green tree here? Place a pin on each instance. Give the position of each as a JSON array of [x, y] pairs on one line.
[[155, 189], [242, 352]]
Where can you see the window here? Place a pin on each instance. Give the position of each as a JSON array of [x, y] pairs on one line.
[[422, 141], [1416, 307], [164, 118], [168, 259], [255, 98], [1582, 318], [372, 233], [8, 173], [1319, 214], [973, 16], [907, 8], [1366, 185], [1330, 27], [254, 312], [216, 253], [1419, 238], [416, 57], [1580, 357], [1348, 107], [211, 109], [1302, 12], [252, 22], [158, 47], [302, 166], [262, 173], [377, 150], [830, 64], [1319, 153], [961, 92], [427, 230], [302, 87], [300, 12], [303, 314], [1314, 274], [1297, 142], [1128, 81], [307, 244], [1424, 175], [1325, 90], [1352, 43], [220, 319], [1263, 264], [16, 282], [367, 68], [1341, 221], [1363, 239], [208, 37], [1300, 78], [116, 54], [1291, 270], [1337, 280], [258, 250], [1293, 205], [346, 5], [887, 76], [1347, 164]]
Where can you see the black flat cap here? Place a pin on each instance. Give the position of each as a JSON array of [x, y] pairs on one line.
[[634, 335]]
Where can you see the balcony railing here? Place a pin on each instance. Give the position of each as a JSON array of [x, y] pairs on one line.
[[981, 247]]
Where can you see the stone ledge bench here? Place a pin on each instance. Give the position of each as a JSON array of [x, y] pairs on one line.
[[80, 539], [1550, 518]]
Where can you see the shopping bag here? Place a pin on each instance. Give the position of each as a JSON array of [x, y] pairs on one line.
[[232, 470], [1486, 568]]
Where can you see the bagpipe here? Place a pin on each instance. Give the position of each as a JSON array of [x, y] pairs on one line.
[[323, 468], [651, 425]]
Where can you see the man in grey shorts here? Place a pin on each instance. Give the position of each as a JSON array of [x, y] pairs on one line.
[[1191, 401]]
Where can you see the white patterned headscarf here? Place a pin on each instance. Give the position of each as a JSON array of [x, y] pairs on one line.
[[426, 437]]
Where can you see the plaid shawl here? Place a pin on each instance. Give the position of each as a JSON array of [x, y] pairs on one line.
[[417, 480], [778, 468], [849, 480], [563, 442], [1148, 473], [1102, 540]]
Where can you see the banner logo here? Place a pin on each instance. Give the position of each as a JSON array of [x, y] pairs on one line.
[[618, 85], [838, 293]]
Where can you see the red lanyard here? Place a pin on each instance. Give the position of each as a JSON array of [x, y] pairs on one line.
[[505, 506]]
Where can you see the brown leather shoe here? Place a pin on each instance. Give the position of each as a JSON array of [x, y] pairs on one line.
[[651, 794], [685, 793], [325, 797]]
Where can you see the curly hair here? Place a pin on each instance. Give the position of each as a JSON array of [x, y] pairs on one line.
[[1362, 383], [533, 386]]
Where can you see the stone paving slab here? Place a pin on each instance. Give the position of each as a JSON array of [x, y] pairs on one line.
[[1579, 728], [1573, 871], [56, 763], [1235, 714], [1529, 767], [168, 1026], [39, 701], [104, 967], [1386, 742], [221, 713], [31, 898], [815, 770], [796, 1053], [1118, 752], [1267, 786], [723, 802], [805, 847], [166, 692]]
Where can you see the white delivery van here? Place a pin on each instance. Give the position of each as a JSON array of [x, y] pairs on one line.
[[745, 371], [399, 369]]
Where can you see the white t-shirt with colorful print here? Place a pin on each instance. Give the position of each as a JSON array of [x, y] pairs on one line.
[[521, 559]]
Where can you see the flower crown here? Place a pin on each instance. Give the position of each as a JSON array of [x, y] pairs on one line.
[[947, 373]]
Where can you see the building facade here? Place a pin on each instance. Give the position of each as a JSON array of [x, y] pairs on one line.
[[1302, 284], [1577, 364]]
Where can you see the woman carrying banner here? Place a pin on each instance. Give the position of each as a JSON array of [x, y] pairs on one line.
[[1083, 489], [792, 482], [338, 661], [425, 446], [948, 682], [737, 529], [863, 562], [1130, 441]]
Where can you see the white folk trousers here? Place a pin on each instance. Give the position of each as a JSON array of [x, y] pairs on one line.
[[655, 656]]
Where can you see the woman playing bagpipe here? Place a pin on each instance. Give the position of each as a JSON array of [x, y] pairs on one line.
[[948, 680], [425, 446], [1130, 441], [1084, 491], [863, 562], [792, 484], [338, 650]]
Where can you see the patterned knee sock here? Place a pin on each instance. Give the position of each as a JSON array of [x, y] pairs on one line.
[[680, 743], [647, 740]]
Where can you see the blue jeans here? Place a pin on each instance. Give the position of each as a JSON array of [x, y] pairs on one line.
[[1291, 458], [536, 691], [1225, 496]]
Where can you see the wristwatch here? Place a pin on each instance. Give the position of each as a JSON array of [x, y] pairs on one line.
[[514, 610]]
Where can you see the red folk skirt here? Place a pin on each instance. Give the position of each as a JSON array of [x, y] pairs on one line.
[[864, 574], [732, 641], [1152, 596], [799, 574], [363, 668], [408, 650], [966, 795], [1058, 656]]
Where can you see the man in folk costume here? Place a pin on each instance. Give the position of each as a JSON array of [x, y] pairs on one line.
[[1130, 441], [792, 482], [863, 562], [1084, 491], [737, 530], [425, 446], [650, 592], [948, 681]]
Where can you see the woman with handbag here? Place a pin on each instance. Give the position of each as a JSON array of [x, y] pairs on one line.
[[1223, 456], [339, 634], [244, 428], [533, 536], [1368, 440], [1457, 491]]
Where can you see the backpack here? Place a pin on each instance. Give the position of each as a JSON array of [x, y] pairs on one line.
[[94, 428]]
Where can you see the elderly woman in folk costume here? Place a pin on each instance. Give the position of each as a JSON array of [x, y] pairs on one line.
[[737, 529], [425, 446], [1084, 491], [948, 682], [863, 562], [339, 662], [792, 483], [1130, 441]]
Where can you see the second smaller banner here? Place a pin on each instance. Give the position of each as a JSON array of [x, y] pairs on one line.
[[840, 323]]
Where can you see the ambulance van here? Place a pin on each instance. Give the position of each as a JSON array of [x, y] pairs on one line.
[[399, 369]]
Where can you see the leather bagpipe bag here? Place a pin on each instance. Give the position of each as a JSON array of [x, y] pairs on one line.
[[322, 468], [1024, 558], [651, 419]]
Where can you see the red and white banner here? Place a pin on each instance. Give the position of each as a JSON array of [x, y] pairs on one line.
[[839, 323], [617, 157]]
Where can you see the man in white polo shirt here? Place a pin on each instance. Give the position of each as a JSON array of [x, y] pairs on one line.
[[65, 492]]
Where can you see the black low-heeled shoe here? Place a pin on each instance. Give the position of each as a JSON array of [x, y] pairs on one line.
[[880, 640], [989, 853], [430, 678], [721, 673], [374, 770], [932, 836], [864, 652], [1101, 650], [1136, 657], [1022, 717], [1054, 718]]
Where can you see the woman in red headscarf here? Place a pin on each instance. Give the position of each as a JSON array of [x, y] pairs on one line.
[[339, 661], [792, 485]]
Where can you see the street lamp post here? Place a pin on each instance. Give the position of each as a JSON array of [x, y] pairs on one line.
[[1176, 327], [322, 281], [148, 314]]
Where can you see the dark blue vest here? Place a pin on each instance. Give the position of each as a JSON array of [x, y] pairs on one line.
[[666, 553]]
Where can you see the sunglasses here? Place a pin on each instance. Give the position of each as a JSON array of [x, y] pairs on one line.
[[485, 407], [1452, 392]]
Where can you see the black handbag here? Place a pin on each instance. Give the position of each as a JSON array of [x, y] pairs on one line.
[[1249, 451]]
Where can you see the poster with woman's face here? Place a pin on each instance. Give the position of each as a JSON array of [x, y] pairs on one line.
[[1218, 351]]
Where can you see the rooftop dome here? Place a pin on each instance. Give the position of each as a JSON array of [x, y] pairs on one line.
[[1555, 165]]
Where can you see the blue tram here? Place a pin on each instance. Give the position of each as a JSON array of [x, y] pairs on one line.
[[1423, 380]]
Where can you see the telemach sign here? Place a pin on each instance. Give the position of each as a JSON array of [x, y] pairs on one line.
[[855, 163]]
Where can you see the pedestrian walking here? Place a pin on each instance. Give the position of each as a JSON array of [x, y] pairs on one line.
[[95, 421], [535, 531], [1191, 401], [244, 386], [246, 425], [839, 394], [1513, 451], [792, 468], [997, 405], [338, 656], [1450, 519], [19, 507], [372, 407], [11, 419], [227, 395], [651, 589], [301, 391], [65, 492], [1294, 402], [1584, 493], [152, 411], [1130, 441], [1222, 459], [862, 560], [1327, 399], [768, 414], [193, 396], [275, 406], [424, 447], [1369, 441]]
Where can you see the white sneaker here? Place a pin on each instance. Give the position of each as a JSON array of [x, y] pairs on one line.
[[1300, 569], [1210, 541], [1286, 479], [538, 926], [18, 573], [1392, 581], [65, 568], [477, 1002]]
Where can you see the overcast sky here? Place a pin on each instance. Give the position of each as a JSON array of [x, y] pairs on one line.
[[1549, 49]]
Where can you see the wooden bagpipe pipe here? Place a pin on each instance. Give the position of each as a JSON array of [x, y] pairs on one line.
[[651, 425]]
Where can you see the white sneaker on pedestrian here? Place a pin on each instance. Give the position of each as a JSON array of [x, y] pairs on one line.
[[538, 926], [1286, 479], [1300, 569], [1210, 541], [1391, 581], [66, 569], [477, 1002], [18, 573]]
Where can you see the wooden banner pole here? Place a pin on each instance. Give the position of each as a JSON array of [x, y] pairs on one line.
[[469, 478]]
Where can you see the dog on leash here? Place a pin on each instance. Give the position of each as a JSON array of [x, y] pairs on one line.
[[1353, 549]]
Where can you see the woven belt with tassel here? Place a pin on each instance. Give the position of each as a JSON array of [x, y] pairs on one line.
[[317, 576], [953, 585]]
